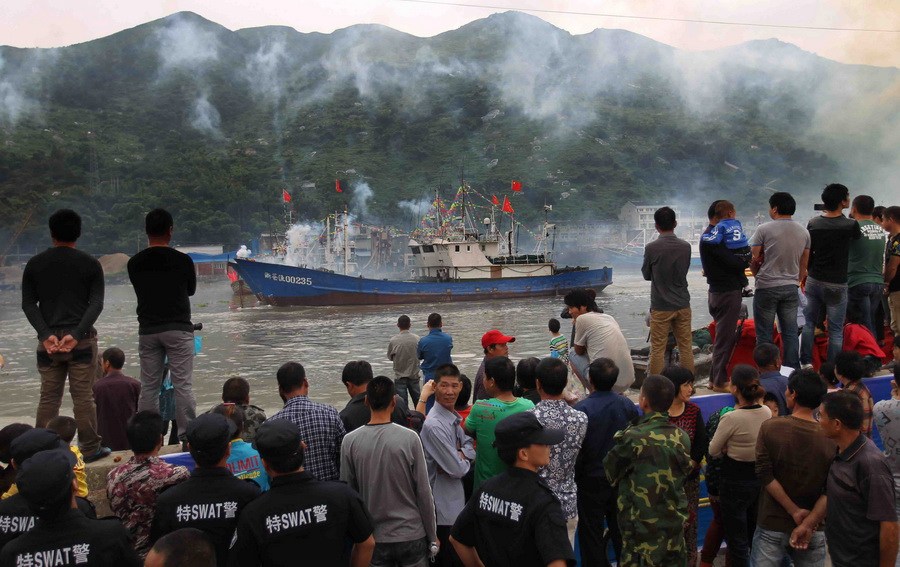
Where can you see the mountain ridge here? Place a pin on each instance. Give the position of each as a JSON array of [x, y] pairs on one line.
[[214, 123]]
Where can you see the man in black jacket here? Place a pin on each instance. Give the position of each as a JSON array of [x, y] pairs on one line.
[[164, 280], [724, 271], [62, 297]]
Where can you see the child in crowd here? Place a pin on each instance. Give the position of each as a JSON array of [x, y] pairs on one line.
[[849, 368], [65, 427], [559, 344], [244, 461], [771, 402], [729, 231]]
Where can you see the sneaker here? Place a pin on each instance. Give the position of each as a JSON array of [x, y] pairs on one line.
[[101, 452], [806, 366]]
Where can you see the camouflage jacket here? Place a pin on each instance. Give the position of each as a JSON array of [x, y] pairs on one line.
[[650, 462], [253, 418]]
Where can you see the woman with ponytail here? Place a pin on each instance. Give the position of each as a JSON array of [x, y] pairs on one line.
[[735, 442]]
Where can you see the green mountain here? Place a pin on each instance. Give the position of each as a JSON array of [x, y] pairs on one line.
[[212, 124]]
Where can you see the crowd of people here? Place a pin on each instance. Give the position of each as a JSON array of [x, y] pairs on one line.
[[512, 468]]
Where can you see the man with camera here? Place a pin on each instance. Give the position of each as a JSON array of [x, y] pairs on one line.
[[826, 283]]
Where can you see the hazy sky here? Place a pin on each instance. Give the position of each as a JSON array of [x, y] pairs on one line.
[[51, 23]]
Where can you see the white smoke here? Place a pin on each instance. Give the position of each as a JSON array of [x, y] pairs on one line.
[[15, 103], [265, 71], [204, 116], [362, 194], [183, 45], [302, 244], [416, 208]]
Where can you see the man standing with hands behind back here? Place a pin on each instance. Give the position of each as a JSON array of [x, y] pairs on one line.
[[62, 297], [163, 280]]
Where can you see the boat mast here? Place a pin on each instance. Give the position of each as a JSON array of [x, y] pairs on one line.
[[346, 242], [462, 186], [329, 257], [437, 209]]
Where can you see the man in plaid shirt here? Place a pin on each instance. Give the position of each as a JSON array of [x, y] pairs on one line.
[[320, 425]]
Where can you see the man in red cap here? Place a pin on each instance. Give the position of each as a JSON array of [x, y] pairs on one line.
[[494, 344]]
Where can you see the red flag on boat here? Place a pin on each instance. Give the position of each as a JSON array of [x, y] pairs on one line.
[[285, 196], [495, 200], [516, 185], [337, 186], [507, 206]]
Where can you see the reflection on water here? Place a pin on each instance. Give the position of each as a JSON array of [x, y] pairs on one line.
[[254, 342]]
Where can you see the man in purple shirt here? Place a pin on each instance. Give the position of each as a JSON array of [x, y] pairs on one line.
[[116, 396]]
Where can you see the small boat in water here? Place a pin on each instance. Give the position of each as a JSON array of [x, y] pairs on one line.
[[453, 261]]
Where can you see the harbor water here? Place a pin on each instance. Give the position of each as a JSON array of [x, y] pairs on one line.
[[253, 342]]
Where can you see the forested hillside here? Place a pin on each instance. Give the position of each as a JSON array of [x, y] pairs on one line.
[[213, 124]]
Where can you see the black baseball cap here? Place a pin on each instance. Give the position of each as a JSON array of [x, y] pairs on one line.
[[278, 439], [524, 429], [45, 479], [35, 440], [210, 432]]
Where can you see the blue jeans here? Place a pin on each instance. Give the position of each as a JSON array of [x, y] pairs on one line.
[[770, 549], [867, 298], [781, 301], [832, 299], [409, 390]]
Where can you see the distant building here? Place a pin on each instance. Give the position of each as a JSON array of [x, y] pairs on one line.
[[639, 216]]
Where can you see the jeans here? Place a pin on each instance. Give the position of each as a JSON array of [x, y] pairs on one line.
[[738, 502], [781, 301], [80, 366], [725, 308], [831, 298], [153, 349], [770, 548], [401, 554], [679, 323], [867, 298], [597, 510], [409, 386]]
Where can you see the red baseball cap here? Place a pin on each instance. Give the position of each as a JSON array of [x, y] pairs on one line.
[[495, 337]]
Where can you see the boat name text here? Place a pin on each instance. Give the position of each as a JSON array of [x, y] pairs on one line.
[[296, 280]]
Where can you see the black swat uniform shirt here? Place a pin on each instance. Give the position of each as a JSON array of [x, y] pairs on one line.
[[211, 500], [300, 520], [72, 539], [514, 520], [163, 280], [16, 516]]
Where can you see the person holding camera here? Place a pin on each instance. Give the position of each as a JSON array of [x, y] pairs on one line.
[[826, 283]]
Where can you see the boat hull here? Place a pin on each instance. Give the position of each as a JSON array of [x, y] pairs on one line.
[[276, 284]]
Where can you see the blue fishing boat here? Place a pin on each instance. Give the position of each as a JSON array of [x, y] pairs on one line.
[[277, 284], [450, 259]]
